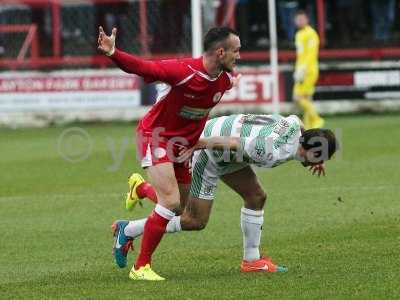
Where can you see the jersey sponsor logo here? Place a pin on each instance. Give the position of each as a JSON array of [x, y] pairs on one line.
[[281, 127], [191, 96], [217, 97], [262, 120], [283, 139], [193, 113]]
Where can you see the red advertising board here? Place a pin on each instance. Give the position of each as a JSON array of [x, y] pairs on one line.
[[254, 87], [68, 90]]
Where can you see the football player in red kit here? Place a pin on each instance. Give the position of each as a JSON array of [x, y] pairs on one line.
[[192, 88]]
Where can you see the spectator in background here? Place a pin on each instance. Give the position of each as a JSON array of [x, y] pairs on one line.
[[242, 20], [209, 13], [42, 18], [252, 23], [169, 33], [114, 15], [225, 13], [3, 10], [259, 28], [349, 20], [251, 20], [383, 14], [287, 11]]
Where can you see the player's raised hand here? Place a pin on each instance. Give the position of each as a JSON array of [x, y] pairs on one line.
[[318, 170], [235, 79], [106, 44]]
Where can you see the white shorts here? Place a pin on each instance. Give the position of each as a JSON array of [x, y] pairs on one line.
[[206, 170]]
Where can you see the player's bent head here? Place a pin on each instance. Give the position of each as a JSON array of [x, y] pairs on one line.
[[223, 44], [317, 145]]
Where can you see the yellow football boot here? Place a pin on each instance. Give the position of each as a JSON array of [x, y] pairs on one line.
[[132, 197], [144, 273]]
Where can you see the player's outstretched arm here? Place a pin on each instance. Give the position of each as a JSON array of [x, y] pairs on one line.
[[218, 143], [212, 143], [150, 70]]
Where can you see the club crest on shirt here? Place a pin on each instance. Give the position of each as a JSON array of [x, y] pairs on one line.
[[260, 152], [208, 189], [217, 97]]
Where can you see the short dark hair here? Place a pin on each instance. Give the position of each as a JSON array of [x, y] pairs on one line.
[[216, 35], [312, 138], [301, 12]]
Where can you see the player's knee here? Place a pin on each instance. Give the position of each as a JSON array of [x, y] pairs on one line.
[[197, 224], [180, 209], [169, 190], [201, 224], [260, 197], [256, 200], [192, 223], [169, 193]]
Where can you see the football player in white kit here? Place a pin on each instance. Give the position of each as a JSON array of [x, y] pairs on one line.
[[261, 140]]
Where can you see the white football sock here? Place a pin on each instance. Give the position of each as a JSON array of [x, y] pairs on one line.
[[251, 222], [174, 225], [164, 212], [135, 228]]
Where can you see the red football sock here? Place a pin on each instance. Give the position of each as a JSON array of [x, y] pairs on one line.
[[154, 230], [146, 190]]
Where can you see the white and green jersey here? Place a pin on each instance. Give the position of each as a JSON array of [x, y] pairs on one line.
[[267, 140]]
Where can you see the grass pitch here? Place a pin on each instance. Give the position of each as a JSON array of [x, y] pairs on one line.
[[339, 235]]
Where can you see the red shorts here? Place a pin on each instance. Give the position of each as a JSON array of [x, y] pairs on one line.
[[152, 152]]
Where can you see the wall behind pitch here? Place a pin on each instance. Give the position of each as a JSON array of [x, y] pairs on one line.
[[40, 99]]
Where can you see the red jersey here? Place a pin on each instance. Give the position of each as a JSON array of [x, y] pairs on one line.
[[182, 108]]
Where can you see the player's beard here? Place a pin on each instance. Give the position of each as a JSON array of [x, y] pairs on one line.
[[227, 69]]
